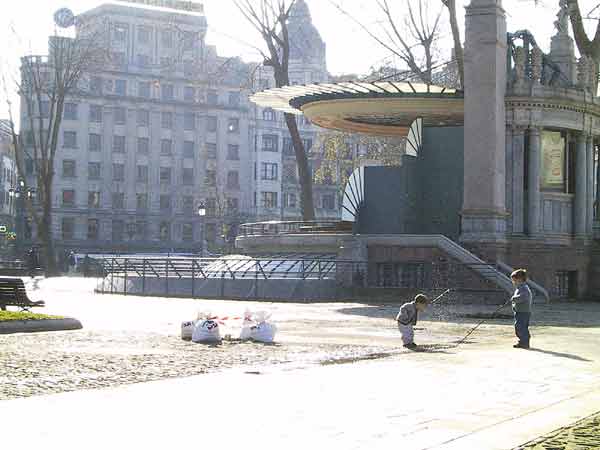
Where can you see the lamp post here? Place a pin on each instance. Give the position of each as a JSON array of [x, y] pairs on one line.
[[202, 214], [18, 196]]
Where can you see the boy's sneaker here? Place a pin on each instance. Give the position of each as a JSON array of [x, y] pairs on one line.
[[520, 345], [411, 345]]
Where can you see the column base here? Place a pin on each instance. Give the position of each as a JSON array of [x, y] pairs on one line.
[[483, 227]]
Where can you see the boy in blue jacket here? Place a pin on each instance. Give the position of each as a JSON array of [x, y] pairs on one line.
[[522, 301], [407, 319]]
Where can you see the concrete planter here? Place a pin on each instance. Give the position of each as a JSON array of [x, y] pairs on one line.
[[34, 326]]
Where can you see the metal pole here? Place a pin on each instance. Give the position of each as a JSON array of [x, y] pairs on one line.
[[144, 276], [125, 278]]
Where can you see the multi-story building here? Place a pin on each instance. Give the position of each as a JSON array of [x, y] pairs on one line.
[[8, 180], [165, 125]]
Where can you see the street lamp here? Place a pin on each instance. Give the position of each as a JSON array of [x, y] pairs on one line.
[[19, 193], [202, 214]]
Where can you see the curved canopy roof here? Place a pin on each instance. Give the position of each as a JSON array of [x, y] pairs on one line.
[[380, 108]]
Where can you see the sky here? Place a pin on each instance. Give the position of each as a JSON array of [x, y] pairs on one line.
[[349, 48]]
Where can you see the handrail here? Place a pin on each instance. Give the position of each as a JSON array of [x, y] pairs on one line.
[[273, 228], [538, 287]]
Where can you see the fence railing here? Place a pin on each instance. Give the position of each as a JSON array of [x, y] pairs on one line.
[[293, 227]]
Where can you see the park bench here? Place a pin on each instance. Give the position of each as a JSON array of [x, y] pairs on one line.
[[13, 293]]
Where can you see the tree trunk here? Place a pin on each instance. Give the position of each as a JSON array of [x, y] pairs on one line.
[[45, 231], [458, 49], [304, 175]]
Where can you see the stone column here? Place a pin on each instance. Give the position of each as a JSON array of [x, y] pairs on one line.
[[518, 179], [509, 177], [533, 189], [484, 201], [581, 186], [590, 184]]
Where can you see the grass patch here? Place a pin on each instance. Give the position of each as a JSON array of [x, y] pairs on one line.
[[24, 315]]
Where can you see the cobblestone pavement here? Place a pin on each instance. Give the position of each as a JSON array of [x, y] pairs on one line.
[[583, 435]]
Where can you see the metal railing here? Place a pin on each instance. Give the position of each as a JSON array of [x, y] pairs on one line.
[[293, 227]]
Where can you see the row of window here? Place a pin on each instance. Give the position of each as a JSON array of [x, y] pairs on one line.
[[269, 200], [166, 202], [270, 143], [70, 140], [168, 38], [120, 230], [162, 90], [141, 174]]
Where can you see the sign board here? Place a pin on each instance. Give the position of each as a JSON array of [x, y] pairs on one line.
[[2, 229], [180, 5], [553, 160]]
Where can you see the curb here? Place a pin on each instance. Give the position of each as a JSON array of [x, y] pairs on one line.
[[35, 326]]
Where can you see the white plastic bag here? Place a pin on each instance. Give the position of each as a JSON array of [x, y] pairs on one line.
[[187, 329], [257, 327], [206, 330]]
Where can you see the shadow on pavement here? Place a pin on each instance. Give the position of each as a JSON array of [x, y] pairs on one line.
[[560, 355]]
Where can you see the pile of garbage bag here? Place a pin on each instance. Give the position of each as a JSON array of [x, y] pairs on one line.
[[206, 329]]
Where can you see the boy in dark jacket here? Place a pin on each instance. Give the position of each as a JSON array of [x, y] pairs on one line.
[[407, 319], [522, 301]]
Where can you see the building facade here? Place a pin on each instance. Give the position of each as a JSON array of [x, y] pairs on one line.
[[167, 125], [8, 182]]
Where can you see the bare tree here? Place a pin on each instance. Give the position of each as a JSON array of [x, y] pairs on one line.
[[585, 45], [270, 19], [458, 49], [44, 84]]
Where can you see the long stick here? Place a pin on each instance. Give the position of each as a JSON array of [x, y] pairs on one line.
[[439, 297], [481, 323]]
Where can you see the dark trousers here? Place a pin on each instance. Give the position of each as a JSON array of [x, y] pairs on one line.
[[522, 327]]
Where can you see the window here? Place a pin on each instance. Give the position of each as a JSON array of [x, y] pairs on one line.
[[143, 60], [143, 145], [95, 142], [233, 152], [233, 179], [95, 113], [268, 171], [165, 202], [164, 231], [188, 176], [189, 39], [166, 146], [269, 199], [188, 67], [118, 230], [68, 228], [120, 32], [140, 229], [121, 87], [211, 178], [143, 117], [92, 229], [234, 99], [188, 205], [144, 34], [289, 173], [68, 197], [233, 205], [166, 120], [328, 202], [96, 85], [188, 149], [119, 144], [68, 168], [269, 114], [211, 206], [70, 139], [70, 111], [265, 84], [307, 144], [118, 200], [166, 38], [289, 200], [270, 143], [189, 121], [187, 232], [144, 88], [233, 125], [212, 97], [404, 275], [118, 172], [211, 124], [166, 61], [119, 59], [45, 109], [93, 199], [167, 92], [142, 173], [94, 170], [189, 94], [565, 285], [120, 116], [141, 202], [288, 146], [165, 175]]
